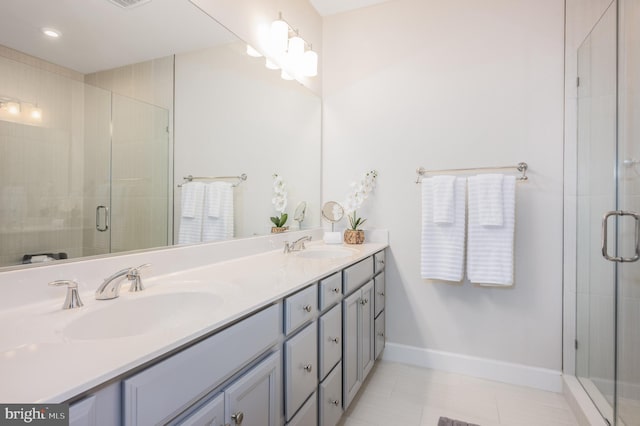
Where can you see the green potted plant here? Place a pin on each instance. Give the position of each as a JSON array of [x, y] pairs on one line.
[[360, 192], [279, 201]]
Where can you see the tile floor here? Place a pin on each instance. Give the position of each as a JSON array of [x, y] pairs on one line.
[[398, 394]]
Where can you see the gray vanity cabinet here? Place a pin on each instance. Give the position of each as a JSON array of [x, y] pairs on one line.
[[252, 399], [99, 409], [358, 329], [301, 363]]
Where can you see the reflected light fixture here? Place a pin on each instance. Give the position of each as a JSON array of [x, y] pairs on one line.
[[310, 64], [278, 37], [36, 113], [286, 76], [13, 108], [271, 65], [51, 32]]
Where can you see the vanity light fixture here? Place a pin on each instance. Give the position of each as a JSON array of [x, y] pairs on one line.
[[36, 113], [51, 32], [289, 51], [11, 107]]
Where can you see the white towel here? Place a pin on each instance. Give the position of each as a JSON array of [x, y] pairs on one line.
[[443, 199], [490, 248], [443, 244], [218, 205], [191, 213], [490, 198]]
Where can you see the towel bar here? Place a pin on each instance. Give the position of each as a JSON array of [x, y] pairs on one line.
[[521, 167]]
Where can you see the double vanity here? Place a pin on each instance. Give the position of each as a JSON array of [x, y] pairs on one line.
[[267, 339]]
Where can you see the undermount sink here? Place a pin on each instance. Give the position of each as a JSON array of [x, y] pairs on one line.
[[327, 252], [135, 316]]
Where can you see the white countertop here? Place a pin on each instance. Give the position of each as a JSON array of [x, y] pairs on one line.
[[39, 362]]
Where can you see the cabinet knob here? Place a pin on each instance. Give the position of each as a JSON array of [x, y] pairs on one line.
[[308, 368], [237, 417], [336, 290], [335, 340], [381, 334], [307, 308], [335, 402], [381, 261], [381, 293], [364, 301]]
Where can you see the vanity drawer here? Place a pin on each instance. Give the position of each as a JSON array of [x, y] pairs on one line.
[[330, 399], [354, 276], [330, 340], [308, 414], [301, 362], [380, 294], [378, 260], [379, 339], [330, 291], [160, 392], [300, 308]]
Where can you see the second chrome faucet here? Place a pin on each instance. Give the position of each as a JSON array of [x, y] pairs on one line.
[[297, 245], [110, 288]]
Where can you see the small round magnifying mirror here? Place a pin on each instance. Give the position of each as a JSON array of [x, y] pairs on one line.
[[333, 212], [300, 212]]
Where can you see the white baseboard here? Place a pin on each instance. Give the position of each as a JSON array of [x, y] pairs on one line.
[[517, 374]]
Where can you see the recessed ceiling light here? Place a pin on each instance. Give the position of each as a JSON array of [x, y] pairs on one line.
[[50, 32]]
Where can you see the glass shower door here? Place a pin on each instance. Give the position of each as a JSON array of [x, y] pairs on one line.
[[628, 273], [596, 194]]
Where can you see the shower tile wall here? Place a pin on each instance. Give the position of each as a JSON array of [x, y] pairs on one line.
[[41, 164]]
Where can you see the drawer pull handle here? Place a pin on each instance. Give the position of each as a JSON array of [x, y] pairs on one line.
[[335, 402], [381, 293], [336, 290], [335, 340], [238, 417], [308, 368], [381, 334], [307, 308]]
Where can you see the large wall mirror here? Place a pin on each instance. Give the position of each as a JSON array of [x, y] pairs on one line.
[[100, 126]]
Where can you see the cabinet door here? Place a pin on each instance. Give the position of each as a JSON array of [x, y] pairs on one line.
[[102, 408], [329, 340], [330, 399], [254, 399], [351, 382], [308, 414], [367, 355], [301, 363], [379, 286], [379, 334], [210, 414]]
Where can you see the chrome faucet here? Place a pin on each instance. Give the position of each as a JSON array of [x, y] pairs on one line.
[[297, 245], [72, 300], [110, 288]]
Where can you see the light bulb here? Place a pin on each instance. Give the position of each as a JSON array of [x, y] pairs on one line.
[[278, 36], [13, 108], [271, 65], [253, 52], [310, 64], [285, 75], [36, 113]]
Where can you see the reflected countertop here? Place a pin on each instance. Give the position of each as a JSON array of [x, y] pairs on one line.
[[42, 359]]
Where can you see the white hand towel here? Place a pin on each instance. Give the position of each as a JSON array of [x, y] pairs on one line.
[[443, 244], [490, 248], [213, 199], [490, 198], [443, 199], [191, 213], [220, 227]]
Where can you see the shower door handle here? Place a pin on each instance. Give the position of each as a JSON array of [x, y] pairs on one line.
[[106, 218], [636, 239]]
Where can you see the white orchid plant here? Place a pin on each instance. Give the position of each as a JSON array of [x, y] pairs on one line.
[[360, 191], [279, 200]]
